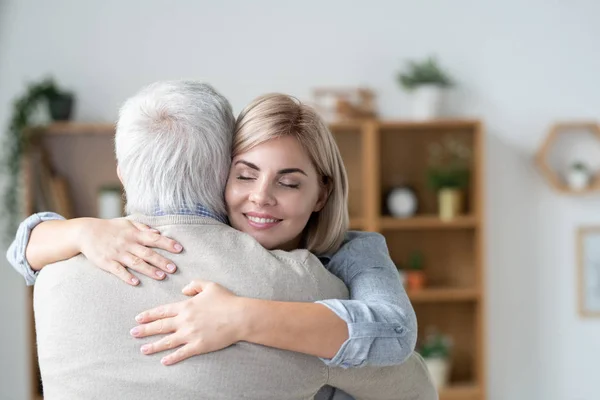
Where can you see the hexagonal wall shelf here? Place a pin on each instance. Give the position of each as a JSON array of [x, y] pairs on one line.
[[551, 175]]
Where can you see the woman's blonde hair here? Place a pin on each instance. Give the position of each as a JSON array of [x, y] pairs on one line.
[[275, 115]]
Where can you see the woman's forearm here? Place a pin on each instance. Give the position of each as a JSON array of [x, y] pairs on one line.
[[307, 328], [53, 241]]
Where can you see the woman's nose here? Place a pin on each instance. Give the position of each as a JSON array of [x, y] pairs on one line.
[[261, 195]]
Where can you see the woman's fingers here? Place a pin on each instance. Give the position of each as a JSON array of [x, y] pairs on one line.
[[155, 239], [160, 327], [143, 227], [121, 272], [194, 287], [180, 354], [161, 312], [153, 258], [167, 343], [136, 263]]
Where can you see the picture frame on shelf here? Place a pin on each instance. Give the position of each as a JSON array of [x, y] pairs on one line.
[[588, 267]]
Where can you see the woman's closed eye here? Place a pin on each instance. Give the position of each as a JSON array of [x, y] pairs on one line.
[[290, 185], [245, 178]]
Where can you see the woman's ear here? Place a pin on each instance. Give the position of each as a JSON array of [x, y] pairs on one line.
[[324, 194]]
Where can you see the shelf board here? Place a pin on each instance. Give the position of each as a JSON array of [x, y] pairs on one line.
[[431, 295], [429, 124], [461, 391], [428, 222], [76, 128], [347, 125]]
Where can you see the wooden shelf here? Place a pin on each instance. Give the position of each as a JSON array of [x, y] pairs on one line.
[[347, 125], [466, 391], [404, 124], [541, 158], [428, 222], [431, 295], [382, 154], [430, 124], [76, 128]]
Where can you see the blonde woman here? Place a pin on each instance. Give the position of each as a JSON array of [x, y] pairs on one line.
[[287, 188]]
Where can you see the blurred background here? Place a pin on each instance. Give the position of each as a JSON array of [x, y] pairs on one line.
[[506, 283]]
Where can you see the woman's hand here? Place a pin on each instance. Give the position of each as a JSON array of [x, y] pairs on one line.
[[118, 244], [207, 322]]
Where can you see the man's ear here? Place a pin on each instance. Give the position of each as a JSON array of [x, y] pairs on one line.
[[119, 174]]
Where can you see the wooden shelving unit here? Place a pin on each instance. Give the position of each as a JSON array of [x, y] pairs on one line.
[[382, 154]]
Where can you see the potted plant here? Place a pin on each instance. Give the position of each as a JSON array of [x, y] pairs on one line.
[[448, 173], [415, 276], [426, 81], [435, 350], [18, 137], [578, 176]]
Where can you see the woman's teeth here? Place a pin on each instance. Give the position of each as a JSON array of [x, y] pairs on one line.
[[262, 220]]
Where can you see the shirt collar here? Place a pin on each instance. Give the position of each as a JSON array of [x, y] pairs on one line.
[[199, 210]]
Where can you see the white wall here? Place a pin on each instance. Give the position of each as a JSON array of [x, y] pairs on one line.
[[521, 66]]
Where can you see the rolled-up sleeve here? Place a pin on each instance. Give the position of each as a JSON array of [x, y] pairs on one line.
[[382, 326], [16, 252]]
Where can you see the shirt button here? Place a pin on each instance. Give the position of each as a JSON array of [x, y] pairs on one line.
[[398, 329]]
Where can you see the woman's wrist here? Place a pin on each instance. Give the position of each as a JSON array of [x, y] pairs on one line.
[[244, 318], [82, 231]]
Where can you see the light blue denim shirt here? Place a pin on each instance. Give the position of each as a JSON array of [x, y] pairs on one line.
[[382, 326]]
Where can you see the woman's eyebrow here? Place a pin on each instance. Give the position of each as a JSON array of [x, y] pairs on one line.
[[248, 164], [290, 171], [280, 172]]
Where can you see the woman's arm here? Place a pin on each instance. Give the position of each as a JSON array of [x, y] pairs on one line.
[[112, 245], [17, 249], [382, 324], [308, 328], [377, 326]]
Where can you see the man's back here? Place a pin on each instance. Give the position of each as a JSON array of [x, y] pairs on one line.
[[83, 317]]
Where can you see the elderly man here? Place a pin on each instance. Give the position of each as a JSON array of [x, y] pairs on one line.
[[83, 314]]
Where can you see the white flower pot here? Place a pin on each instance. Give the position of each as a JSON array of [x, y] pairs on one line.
[[577, 179], [426, 101], [439, 369]]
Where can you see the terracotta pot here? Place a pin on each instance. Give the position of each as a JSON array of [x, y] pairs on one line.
[[450, 203], [415, 280]]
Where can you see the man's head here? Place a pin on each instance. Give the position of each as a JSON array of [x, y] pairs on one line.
[[173, 147]]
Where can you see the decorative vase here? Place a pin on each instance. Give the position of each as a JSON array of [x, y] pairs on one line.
[[415, 280], [450, 203], [439, 369], [402, 202], [426, 100], [578, 179], [61, 106]]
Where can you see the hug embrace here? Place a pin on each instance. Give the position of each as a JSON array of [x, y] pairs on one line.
[[237, 263]]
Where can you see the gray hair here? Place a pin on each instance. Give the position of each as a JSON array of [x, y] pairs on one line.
[[173, 147]]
